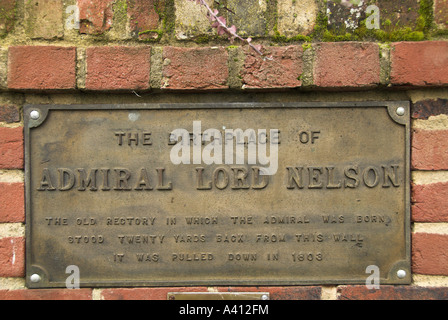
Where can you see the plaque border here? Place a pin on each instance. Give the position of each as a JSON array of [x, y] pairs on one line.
[[392, 107]]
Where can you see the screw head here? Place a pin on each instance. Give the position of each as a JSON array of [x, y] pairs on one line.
[[35, 278], [34, 114], [401, 111], [264, 297], [401, 274]]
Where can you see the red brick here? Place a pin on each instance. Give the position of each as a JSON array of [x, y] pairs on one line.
[[7, 16], [42, 67], [143, 16], [9, 113], [12, 257], [427, 108], [441, 12], [281, 293], [11, 148], [44, 19], [347, 65], [419, 63], [46, 294], [145, 293], [96, 16], [12, 203], [430, 202], [392, 293], [195, 68], [429, 149], [118, 68], [430, 254], [283, 71]]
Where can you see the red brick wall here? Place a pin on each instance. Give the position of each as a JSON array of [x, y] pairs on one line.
[[147, 48]]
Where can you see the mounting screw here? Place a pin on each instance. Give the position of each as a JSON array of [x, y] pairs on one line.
[[34, 114], [400, 111], [35, 278], [401, 274], [264, 297]]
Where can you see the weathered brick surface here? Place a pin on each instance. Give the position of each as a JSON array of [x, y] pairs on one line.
[[42, 67], [96, 16], [426, 108], [144, 17], [9, 113], [282, 71], [191, 20], [429, 149], [46, 294], [398, 14], [282, 293], [255, 9], [419, 63], [441, 12], [347, 65], [430, 254], [7, 16], [276, 293], [11, 148], [194, 68], [118, 68], [145, 293], [3, 68], [12, 257], [44, 19], [430, 202], [392, 293], [12, 204], [345, 16], [296, 17]]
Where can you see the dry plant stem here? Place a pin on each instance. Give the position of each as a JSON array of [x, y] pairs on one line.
[[231, 31]]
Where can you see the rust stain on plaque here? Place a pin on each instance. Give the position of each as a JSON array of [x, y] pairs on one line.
[[217, 194]]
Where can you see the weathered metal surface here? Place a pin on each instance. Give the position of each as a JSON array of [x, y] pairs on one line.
[[104, 194], [218, 296]]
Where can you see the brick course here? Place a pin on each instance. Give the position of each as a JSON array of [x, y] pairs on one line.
[[430, 254], [420, 63], [347, 65], [46, 294], [42, 67], [11, 148], [12, 257], [282, 70], [12, 202], [429, 149], [118, 68], [195, 68], [392, 293]]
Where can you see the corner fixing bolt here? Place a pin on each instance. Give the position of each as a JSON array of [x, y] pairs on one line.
[[401, 274], [35, 278], [400, 111], [34, 114]]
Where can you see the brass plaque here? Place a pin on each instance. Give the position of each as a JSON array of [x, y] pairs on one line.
[[217, 194], [218, 296]]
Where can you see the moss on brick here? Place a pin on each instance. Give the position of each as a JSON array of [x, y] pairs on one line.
[[7, 18], [142, 35], [423, 30]]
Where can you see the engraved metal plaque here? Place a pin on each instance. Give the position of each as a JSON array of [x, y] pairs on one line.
[[217, 194]]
